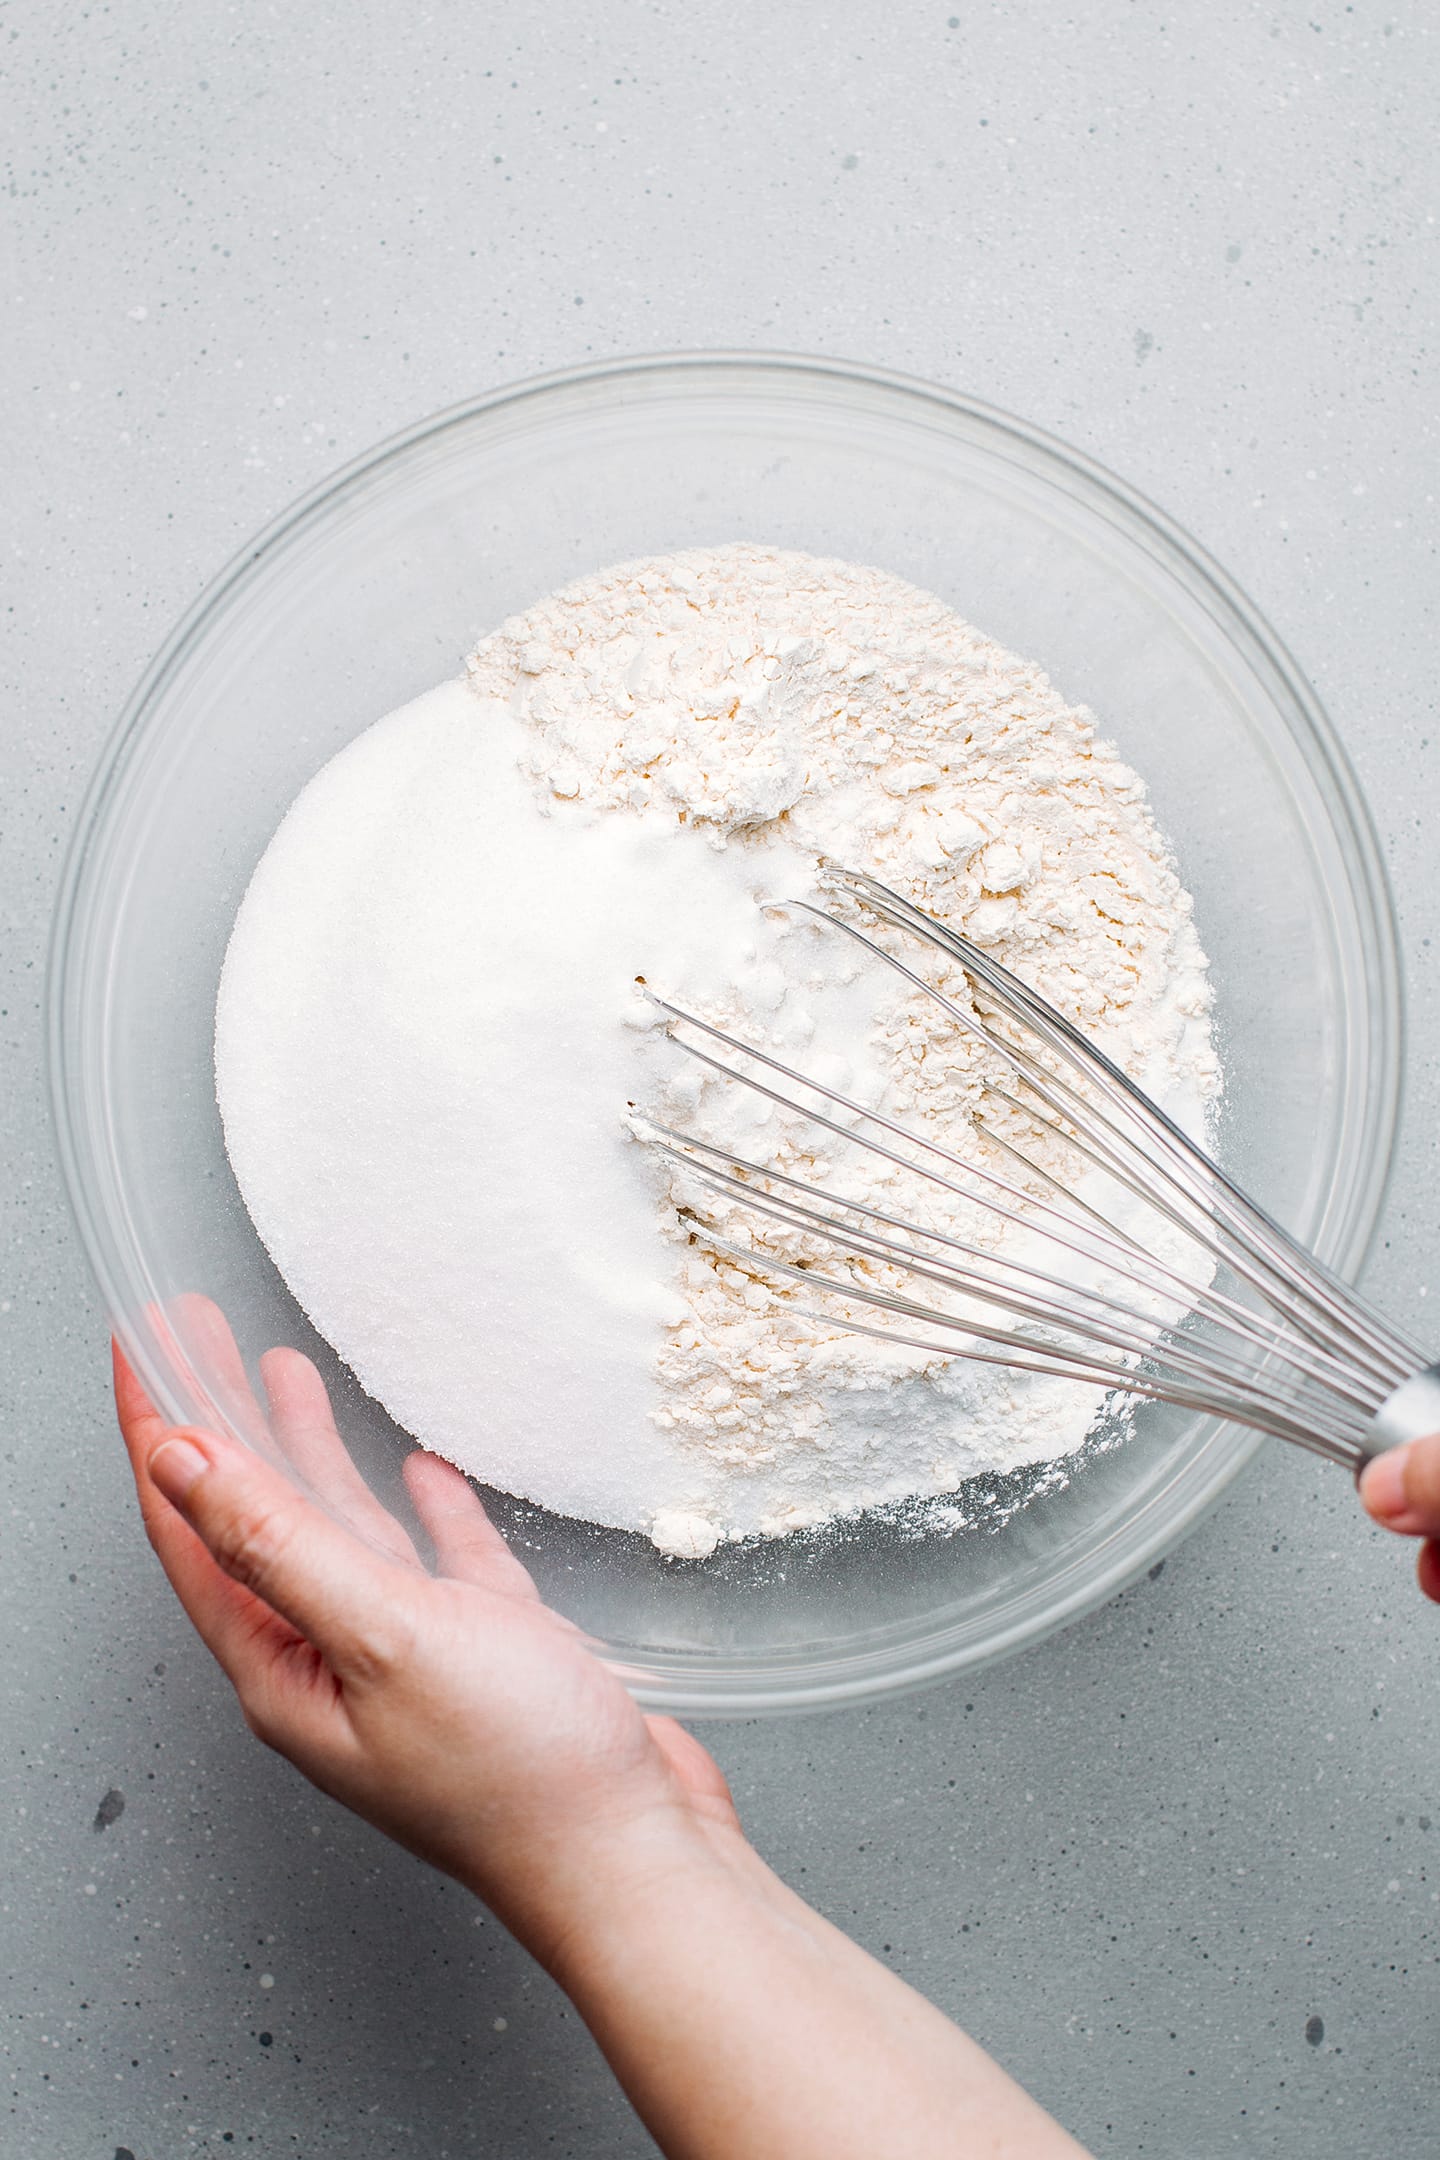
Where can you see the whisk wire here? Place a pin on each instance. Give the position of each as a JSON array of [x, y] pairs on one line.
[[1105, 1244], [1294, 1270], [1179, 1290], [1204, 1297], [1025, 1353], [1307, 1360], [1098, 1317], [1226, 1214], [1113, 1250]]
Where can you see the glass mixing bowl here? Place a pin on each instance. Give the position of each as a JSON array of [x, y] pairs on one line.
[[376, 585]]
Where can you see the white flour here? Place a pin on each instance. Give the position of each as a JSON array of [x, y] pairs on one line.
[[427, 1030]]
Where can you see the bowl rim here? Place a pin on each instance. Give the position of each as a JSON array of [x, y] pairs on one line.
[[789, 1683]]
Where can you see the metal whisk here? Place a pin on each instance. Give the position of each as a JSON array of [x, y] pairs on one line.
[[1249, 1327]]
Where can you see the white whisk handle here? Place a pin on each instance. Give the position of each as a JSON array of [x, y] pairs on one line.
[[1409, 1414]]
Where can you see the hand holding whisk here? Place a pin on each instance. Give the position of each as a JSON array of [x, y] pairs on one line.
[[1144, 1269]]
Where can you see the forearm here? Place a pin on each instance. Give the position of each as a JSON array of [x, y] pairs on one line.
[[742, 2024]]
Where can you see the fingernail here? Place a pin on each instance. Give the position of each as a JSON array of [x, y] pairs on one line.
[[1382, 1484], [174, 1467]]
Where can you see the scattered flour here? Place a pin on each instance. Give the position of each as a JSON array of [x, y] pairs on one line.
[[428, 1029]]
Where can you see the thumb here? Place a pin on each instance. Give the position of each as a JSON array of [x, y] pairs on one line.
[[352, 1604], [1401, 1488]]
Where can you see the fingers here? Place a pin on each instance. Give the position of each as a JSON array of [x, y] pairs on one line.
[[467, 1544], [350, 1602], [140, 1422], [202, 1335], [1427, 1571], [233, 1625], [1401, 1488], [304, 1425]]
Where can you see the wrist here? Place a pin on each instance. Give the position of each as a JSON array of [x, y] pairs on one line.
[[623, 1885]]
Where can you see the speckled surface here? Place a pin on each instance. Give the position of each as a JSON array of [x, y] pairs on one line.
[[1180, 1867]]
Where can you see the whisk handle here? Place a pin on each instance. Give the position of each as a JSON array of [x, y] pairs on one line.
[[1408, 1414]]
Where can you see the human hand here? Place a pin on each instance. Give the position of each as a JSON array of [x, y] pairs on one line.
[[1401, 1489], [468, 1722], [453, 1710]]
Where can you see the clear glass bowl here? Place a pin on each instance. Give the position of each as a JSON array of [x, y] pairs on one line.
[[375, 586]]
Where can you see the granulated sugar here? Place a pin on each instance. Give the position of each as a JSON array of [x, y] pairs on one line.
[[428, 1030]]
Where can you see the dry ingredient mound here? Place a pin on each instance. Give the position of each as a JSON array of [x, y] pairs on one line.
[[428, 1031]]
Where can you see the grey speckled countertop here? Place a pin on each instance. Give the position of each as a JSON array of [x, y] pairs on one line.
[[1180, 1866]]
